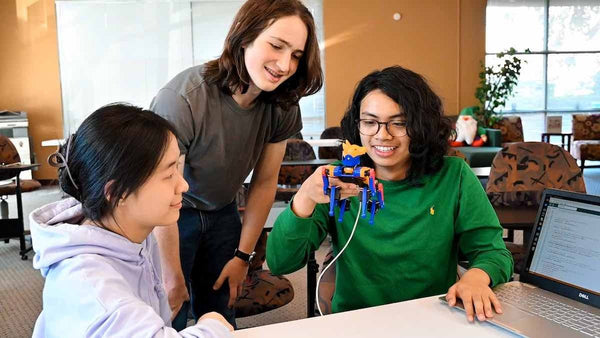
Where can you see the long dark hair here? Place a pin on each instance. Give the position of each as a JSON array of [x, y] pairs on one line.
[[117, 143], [229, 71], [426, 124]]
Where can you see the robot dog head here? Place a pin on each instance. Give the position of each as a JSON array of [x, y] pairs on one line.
[[352, 153]]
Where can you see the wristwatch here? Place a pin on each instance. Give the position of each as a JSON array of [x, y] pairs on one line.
[[248, 258]]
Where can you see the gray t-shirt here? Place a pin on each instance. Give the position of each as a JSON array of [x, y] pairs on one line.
[[222, 141]]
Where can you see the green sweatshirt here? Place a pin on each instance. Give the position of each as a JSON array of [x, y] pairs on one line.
[[411, 250]]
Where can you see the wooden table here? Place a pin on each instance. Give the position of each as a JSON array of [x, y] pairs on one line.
[[13, 227], [563, 136]]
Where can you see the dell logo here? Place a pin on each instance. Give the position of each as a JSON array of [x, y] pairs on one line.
[[584, 296]]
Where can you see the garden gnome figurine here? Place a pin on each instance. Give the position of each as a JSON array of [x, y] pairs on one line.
[[468, 130]]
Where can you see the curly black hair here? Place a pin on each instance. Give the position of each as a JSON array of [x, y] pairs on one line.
[[426, 124]]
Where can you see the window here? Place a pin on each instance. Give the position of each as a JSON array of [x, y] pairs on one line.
[[562, 73], [127, 50]]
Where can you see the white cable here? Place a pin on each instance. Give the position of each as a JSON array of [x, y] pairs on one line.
[[336, 257]]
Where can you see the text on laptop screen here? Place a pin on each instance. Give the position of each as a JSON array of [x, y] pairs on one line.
[[568, 247]]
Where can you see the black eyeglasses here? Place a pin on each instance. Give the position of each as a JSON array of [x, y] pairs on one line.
[[369, 127]]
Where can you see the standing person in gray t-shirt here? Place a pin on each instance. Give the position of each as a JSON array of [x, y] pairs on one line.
[[233, 114]]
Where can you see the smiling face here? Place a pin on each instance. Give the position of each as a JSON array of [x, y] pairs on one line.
[[389, 153], [158, 200], [274, 55]]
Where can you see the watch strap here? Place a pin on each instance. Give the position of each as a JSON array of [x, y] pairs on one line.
[[242, 255]]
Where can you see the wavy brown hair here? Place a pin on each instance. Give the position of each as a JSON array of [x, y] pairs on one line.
[[229, 71]]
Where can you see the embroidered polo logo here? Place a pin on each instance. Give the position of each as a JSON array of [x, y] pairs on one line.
[[432, 210]]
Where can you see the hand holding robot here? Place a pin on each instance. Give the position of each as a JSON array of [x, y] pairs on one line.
[[334, 184]]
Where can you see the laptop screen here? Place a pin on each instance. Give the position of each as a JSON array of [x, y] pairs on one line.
[[568, 243], [565, 247]]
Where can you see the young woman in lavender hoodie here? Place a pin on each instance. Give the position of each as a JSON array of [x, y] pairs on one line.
[[96, 249]]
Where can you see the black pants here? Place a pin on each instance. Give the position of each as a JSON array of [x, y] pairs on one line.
[[207, 240]]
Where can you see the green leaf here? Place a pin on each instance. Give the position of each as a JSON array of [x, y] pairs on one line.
[[497, 84]]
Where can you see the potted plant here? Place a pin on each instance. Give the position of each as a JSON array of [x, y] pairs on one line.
[[496, 85]]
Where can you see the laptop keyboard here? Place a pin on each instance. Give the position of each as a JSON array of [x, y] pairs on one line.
[[551, 309]]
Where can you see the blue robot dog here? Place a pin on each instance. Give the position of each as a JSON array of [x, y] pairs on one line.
[[371, 196]]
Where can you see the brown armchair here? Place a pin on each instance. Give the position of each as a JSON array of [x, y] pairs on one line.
[[586, 137], [291, 177], [457, 153], [331, 152], [262, 291], [511, 129], [520, 172]]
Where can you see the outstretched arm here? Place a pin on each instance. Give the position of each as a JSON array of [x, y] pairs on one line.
[[260, 201], [480, 239]]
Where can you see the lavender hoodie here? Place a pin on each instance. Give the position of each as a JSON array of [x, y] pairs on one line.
[[100, 284]]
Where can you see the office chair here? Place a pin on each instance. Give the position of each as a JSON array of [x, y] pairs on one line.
[[11, 168]]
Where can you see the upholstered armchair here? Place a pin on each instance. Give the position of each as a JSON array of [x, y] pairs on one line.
[[262, 290], [511, 129], [331, 152], [291, 177], [586, 138], [457, 153], [520, 173]]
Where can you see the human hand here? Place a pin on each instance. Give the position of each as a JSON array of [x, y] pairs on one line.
[[477, 297], [217, 316], [311, 193], [234, 272], [177, 294]]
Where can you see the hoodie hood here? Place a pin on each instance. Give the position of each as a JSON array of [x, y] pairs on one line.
[[57, 235]]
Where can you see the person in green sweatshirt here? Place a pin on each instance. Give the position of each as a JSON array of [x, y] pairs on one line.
[[435, 208]]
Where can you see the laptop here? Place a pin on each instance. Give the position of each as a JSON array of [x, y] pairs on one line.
[[558, 294]]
